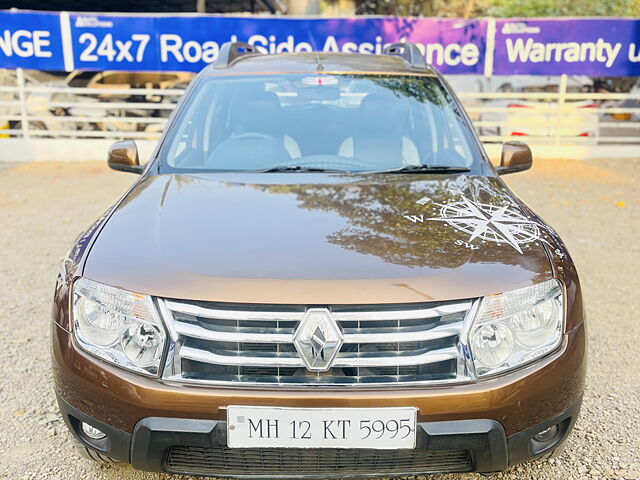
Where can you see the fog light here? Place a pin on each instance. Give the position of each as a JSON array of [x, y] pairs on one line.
[[547, 434], [92, 432]]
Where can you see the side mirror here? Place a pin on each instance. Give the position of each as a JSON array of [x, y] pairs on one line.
[[123, 156], [516, 157]]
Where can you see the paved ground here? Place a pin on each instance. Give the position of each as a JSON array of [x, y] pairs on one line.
[[595, 205]]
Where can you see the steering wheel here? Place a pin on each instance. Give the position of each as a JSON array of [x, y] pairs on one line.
[[253, 136], [331, 162]]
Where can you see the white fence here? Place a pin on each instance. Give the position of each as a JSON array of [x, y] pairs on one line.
[[31, 112]]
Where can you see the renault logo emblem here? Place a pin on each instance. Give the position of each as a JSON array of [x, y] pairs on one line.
[[318, 339]]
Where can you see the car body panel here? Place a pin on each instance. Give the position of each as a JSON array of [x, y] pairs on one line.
[[312, 239]]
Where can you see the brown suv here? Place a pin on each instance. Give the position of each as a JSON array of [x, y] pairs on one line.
[[319, 273]]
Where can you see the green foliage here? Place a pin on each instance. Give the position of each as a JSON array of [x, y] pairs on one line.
[[568, 8], [423, 90], [426, 8], [501, 8]]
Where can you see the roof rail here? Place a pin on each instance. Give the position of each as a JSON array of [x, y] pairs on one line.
[[231, 51], [408, 51]]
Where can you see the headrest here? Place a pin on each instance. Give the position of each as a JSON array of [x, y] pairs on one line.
[[259, 112], [383, 112]]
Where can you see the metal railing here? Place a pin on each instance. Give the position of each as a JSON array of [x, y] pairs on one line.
[[57, 111], [601, 116]]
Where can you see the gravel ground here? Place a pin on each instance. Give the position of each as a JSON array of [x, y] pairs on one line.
[[593, 204]]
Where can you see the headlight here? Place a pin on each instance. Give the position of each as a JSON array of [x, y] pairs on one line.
[[118, 326], [517, 327]]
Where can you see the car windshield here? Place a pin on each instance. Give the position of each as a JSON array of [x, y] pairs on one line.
[[319, 122]]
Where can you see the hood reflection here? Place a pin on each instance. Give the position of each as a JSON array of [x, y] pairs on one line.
[[393, 217]]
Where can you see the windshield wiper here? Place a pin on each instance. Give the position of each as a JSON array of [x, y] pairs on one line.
[[405, 169], [298, 168], [424, 169]]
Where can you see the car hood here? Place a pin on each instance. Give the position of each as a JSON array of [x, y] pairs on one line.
[[320, 239]]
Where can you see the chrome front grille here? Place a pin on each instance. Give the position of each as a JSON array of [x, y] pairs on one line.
[[249, 345]]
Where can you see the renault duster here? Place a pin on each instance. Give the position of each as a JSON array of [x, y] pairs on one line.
[[319, 273]]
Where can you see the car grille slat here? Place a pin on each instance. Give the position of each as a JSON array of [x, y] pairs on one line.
[[400, 359], [258, 359], [351, 335], [433, 312], [259, 315], [383, 335], [357, 359], [215, 343], [217, 461], [232, 314], [245, 336]]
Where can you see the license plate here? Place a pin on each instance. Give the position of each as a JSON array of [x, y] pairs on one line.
[[274, 427]]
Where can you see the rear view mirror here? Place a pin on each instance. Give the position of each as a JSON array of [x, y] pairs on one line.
[[123, 156], [516, 157]]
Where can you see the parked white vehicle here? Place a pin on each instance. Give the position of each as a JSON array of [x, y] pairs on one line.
[[515, 117], [540, 119]]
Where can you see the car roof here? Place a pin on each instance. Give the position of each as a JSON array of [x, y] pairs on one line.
[[314, 62]]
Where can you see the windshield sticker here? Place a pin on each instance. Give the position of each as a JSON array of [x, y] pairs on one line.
[[495, 219], [497, 224]]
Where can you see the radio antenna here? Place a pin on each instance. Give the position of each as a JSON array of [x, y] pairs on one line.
[[319, 66], [314, 44]]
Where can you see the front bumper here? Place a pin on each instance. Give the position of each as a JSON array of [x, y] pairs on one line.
[[517, 400], [199, 447], [484, 426]]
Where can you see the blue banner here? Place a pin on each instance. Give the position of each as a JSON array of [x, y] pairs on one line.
[[62, 41], [31, 40], [188, 43], [585, 46]]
